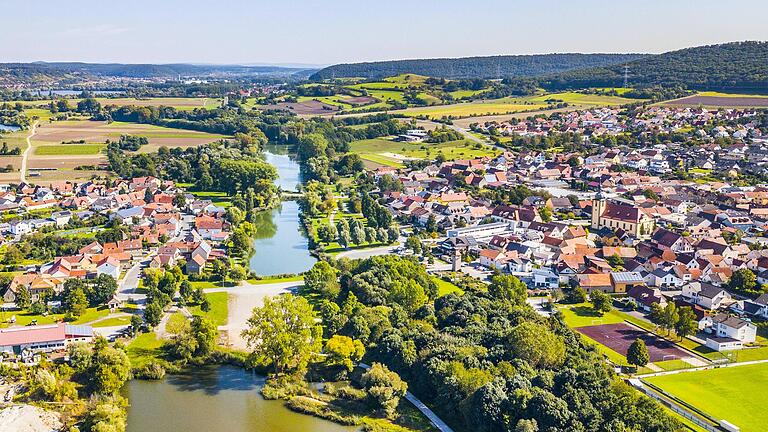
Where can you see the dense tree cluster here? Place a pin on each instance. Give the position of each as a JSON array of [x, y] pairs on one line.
[[476, 67], [485, 360]]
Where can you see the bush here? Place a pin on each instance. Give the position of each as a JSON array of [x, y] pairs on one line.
[[307, 405], [150, 371]]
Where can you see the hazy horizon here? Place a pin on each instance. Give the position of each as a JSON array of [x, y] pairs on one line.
[[313, 34]]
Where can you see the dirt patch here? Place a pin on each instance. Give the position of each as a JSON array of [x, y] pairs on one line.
[[620, 336], [359, 100], [745, 102], [28, 418], [310, 107]]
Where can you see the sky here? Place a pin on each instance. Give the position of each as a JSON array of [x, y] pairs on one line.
[[322, 32]]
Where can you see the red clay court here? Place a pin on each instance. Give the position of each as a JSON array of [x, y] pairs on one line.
[[620, 336]]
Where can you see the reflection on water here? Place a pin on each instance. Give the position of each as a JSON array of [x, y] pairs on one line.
[[280, 245], [213, 398], [289, 175]]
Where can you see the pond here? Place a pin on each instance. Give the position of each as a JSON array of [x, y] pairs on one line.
[[214, 398], [280, 245], [289, 174], [7, 128]]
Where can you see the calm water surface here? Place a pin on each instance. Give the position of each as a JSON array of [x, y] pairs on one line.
[[212, 399], [280, 244]]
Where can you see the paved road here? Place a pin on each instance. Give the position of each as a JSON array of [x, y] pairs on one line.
[[369, 252], [126, 288], [26, 152]]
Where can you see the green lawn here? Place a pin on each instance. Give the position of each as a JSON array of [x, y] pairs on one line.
[[219, 308], [582, 315], [387, 152], [445, 287], [113, 322], [221, 199], [275, 280], [736, 394], [69, 149], [144, 348]]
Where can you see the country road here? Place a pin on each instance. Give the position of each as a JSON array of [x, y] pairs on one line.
[[26, 152]]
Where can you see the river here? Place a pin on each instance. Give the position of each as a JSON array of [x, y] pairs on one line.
[[214, 398], [280, 245]]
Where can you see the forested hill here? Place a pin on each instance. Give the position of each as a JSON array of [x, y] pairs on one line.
[[477, 67], [737, 66]]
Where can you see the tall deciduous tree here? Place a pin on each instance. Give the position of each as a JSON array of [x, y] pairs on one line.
[[284, 332], [637, 354]]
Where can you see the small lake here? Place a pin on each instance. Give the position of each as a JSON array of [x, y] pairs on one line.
[[212, 399], [280, 245], [7, 128]]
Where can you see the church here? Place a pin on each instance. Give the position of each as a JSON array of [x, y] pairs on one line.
[[615, 215]]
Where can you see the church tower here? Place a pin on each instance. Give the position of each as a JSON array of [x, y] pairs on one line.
[[598, 207]]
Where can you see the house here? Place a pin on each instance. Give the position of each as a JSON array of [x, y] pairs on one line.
[[44, 338], [208, 226], [114, 303], [494, 259], [706, 295], [126, 216], [728, 332], [198, 258], [663, 279], [61, 218], [109, 266], [623, 281], [646, 297], [595, 282], [20, 227], [544, 278]]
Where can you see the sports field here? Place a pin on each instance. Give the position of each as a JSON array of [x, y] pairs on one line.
[[736, 394], [69, 149], [619, 336]]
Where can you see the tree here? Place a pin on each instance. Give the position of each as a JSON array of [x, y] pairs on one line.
[[327, 233], [537, 345], [577, 295], [546, 214], [322, 279], [413, 243], [357, 233], [102, 289], [669, 316], [686, 322], [656, 315], [431, 225], [152, 314], [637, 354], [616, 261], [284, 332], [136, 324], [384, 388], [601, 302], [743, 281], [343, 351], [74, 300], [23, 297], [508, 288], [392, 234], [110, 368], [205, 333]]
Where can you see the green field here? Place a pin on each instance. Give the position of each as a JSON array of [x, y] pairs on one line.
[[474, 109], [219, 311], [384, 151], [69, 149], [582, 315], [445, 287], [736, 394], [145, 348], [576, 98]]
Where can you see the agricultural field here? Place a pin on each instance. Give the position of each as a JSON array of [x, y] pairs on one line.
[[60, 147], [725, 100], [383, 151], [576, 98], [735, 393], [473, 109], [180, 103]]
